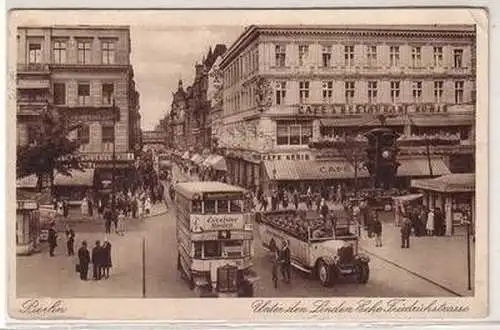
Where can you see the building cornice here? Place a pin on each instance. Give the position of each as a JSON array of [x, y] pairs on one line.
[[351, 31]]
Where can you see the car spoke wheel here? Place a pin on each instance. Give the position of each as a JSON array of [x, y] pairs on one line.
[[363, 273], [324, 273]]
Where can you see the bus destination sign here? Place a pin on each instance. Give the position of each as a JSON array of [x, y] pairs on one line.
[[209, 222]]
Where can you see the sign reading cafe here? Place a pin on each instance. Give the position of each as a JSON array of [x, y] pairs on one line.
[[330, 109], [208, 222]]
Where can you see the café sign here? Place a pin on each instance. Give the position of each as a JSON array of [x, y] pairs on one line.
[[209, 222], [333, 109]]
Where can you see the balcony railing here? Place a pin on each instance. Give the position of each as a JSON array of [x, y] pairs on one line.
[[33, 67]]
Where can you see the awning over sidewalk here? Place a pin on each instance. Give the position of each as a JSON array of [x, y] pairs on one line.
[[434, 121], [29, 181], [457, 182], [408, 198], [77, 178], [185, 156], [217, 162], [197, 159], [420, 167], [312, 170]]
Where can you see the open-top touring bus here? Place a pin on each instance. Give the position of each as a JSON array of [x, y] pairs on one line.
[[214, 239]]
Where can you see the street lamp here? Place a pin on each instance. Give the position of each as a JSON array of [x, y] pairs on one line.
[[467, 223]]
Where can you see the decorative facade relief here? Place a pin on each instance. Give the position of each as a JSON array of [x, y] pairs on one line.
[[263, 94]]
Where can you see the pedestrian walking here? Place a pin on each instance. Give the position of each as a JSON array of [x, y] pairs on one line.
[[97, 260], [83, 260], [134, 207], [52, 239], [147, 206], [84, 207], [107, 220], [430, 223], [275, 266], [377, 229], [286, 262], [405, 233], [296, 199], [106, 258], [65, 206], [70, 240]]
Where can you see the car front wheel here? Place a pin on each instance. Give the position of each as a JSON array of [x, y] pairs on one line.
[[324, 272]]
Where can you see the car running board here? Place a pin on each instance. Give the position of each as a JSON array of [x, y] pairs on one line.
[[296, 265]]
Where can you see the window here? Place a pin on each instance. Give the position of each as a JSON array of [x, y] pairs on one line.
[[108, 52], [34, 53], [327, 91], [59, 93], [280, 92], [371, 55], [303, 91], [372, 92], [394, 56], [303, 52], [417, 91], [395, 91], [280, 54], [197, 249], [459, 92], [457, 58], [236, 206], [83, 134], [108, 138], [83, 94], [349, 91], [60, 52], [108, 133], [196, 207], [83, 52], [416, 57], [212, 248], [438, 91], [107, 93], [326, 56], [293, 133], [438, 56], [209, 206], [222, 206], [349, 55]]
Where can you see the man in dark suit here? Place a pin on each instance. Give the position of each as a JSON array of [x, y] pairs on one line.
[[286, 262], [52, 239], [83, 260], [405, 233], [97, 260]]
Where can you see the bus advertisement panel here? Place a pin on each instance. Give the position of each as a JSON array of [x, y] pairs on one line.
[[213, 222]]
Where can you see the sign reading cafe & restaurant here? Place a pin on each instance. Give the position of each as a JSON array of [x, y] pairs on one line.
[[208, 222], [328, 109]]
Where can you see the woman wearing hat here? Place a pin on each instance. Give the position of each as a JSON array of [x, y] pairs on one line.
[[106, 257]]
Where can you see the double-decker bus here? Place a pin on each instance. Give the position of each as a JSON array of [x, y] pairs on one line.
[[214, 239]]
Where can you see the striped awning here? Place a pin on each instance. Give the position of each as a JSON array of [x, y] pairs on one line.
[[421, 167], [286, 170], [456, 182]]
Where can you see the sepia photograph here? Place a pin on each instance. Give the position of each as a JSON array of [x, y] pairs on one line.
[[251, 158]]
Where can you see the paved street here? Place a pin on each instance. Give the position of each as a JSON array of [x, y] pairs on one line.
[[41, 275]]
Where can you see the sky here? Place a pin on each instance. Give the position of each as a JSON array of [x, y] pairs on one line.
[[162, 55]]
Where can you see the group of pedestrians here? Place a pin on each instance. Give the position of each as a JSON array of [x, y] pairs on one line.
[[100, 259]]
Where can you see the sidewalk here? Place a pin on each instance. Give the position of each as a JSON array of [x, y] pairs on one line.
[[440, 259]]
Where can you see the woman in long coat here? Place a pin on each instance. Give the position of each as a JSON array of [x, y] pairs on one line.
[[107, 264]]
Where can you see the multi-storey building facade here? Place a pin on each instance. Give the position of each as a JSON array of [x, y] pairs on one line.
[[81, 72], [195, 132], [287, 86]]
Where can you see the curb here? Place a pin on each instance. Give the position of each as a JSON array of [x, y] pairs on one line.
[[413, 273]]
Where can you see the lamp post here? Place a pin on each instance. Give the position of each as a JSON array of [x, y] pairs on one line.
[[467, 223], [113, 168]]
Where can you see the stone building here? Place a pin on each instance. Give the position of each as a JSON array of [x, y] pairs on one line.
[[287, 86], [80, 72]]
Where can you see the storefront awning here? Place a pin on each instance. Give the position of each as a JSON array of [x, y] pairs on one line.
[[456, 182], [194, 158], [217, 162], [312, 170], [185, 156], [420, 167], [434, 121], [29, 181], [33, 84], [78, 178]]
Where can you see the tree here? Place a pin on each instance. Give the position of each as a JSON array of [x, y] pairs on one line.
[[51, 149]]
